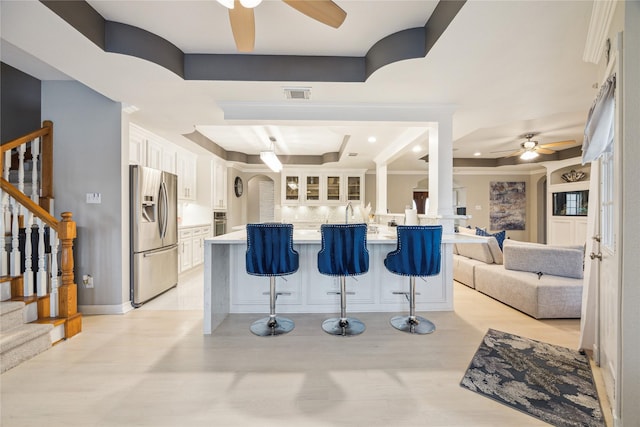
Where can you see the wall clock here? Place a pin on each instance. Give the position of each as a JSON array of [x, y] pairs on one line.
[[237, 186]]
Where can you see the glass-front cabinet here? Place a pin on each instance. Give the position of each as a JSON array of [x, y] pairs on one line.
[[334, 190], [292, 189], [312, 191], [354, 193], [327, 188]]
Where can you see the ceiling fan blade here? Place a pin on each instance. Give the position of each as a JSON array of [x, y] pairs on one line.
[[544, 150], [557, 144], [515, 153], [325, 11], [243, 26]]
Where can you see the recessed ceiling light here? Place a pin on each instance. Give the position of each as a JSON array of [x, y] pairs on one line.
[[417, 149], [129, 109], [477, 153], [372, 139]]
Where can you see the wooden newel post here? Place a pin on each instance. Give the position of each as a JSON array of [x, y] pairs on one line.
[[68, 290], [46, 156]]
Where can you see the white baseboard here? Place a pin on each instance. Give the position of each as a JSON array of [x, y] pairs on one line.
[[89, 310]]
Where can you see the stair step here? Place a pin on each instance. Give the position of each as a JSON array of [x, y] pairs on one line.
[[11, 315], [5, 288], [23, 343], [57, 334]]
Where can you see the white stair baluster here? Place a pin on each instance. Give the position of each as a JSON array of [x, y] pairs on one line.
[[53, 300], [6, 218], [35, 152], [4, 270], [14, 264], [42, 272], [7, 164], [21, 150], [28, 272]]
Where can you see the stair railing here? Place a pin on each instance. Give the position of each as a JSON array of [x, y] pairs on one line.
[[31, 212]]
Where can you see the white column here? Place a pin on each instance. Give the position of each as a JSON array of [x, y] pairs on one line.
[[441, 173], [381, 189]]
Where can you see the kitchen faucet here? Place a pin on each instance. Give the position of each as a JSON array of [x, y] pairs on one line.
[[346, 213]]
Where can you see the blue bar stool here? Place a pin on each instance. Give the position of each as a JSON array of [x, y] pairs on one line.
[[417, 255], [343, 253], [270, 253]]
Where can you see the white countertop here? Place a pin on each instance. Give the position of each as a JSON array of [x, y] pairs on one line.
[[385, 235]]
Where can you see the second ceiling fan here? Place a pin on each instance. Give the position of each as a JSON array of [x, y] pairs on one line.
[[243, 22], [531, 149]]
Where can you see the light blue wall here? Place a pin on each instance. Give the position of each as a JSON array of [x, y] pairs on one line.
[[88, 159]]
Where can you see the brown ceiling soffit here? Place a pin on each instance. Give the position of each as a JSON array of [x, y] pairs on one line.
[[569, 153], [128, 40], [236, 156]]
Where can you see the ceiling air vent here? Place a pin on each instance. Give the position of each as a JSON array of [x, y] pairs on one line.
[[352, 154], [297, 92]]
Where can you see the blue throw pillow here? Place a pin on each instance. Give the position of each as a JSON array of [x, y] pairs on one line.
[[500, 236]]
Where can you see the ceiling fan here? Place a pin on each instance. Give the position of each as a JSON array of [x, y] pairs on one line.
[[243, 22], [531, 149]]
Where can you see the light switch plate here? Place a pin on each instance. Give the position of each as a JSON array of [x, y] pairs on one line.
[[94, 198]]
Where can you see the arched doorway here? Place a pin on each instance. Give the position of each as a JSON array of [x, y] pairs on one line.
[[260, 199]]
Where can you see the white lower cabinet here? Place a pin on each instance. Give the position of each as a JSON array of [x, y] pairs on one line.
[[312, 292], [191, 246]]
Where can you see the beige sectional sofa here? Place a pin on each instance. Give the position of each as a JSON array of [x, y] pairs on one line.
[[539, 280]]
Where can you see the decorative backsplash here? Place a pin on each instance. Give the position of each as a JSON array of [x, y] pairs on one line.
[[318, 214]]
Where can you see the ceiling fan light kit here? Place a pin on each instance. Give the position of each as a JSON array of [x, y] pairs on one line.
[[528, 155], [249, 4], [226, 3]]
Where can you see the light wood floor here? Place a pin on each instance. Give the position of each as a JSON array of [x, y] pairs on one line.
[[154, 367]]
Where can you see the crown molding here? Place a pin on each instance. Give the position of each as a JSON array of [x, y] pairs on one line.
[[601, 16]]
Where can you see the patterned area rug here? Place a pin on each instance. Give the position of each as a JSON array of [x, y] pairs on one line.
[[552, 383]]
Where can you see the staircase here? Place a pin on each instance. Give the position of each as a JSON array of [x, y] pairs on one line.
[[38, 302], [22, 334]]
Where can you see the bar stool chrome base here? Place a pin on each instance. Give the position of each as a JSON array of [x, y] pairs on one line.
[[266, 327], [419, 325], [348, 328]]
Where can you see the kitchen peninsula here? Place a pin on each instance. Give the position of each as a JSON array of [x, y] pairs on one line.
[[229, 289]]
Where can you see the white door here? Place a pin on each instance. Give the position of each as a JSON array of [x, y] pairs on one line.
[[609, 286]]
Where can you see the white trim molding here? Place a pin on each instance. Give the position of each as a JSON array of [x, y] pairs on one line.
[[90, 310], [601, 16]]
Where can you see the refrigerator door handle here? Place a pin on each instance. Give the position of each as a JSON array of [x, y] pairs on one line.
[[164, 210], [160, 251]]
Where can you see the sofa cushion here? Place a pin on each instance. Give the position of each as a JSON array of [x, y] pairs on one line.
[[500, 236], [477, 251], [536, 258], [463, 270], [543, 298], [495, 250]]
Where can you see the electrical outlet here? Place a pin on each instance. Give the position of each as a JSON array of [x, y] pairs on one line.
[[478, 207], [87, 281], [94, 198]]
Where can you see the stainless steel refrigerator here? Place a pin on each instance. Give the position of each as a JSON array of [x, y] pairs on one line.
[[154, 232]]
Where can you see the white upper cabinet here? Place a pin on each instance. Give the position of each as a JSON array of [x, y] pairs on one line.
[[137, 146], [154, 154], [187, 172], [219, 193], [326, 188], [148, 149]]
